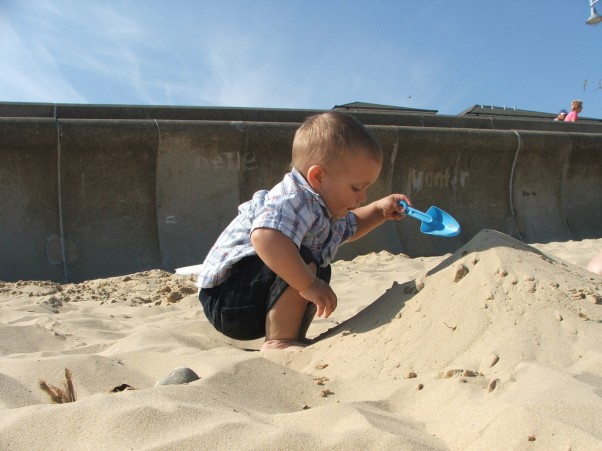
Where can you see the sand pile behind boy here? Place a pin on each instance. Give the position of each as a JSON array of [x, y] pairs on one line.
[[495, 334]]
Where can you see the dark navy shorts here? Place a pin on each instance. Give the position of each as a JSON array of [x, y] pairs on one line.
[[238, 307]]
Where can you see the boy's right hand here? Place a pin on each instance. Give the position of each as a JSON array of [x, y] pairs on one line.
[[320, 293]]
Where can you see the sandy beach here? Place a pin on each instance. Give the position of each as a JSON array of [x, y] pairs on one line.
[[496, 346]]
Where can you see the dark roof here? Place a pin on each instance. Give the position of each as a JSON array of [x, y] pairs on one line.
[[514, 113], [377, 108], [491, 110]]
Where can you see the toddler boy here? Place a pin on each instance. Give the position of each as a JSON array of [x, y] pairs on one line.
[[269, 271]]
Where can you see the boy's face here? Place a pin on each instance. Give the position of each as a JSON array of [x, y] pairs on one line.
[[343, 186]]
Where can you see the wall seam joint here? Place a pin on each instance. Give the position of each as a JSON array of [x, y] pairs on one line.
[[519, 145], [60, 198], [157, 152]]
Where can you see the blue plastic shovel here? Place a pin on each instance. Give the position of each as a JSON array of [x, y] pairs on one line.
[[434, 222]]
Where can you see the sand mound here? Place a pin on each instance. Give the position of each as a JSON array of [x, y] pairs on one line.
[[495, 295], [497, 326]]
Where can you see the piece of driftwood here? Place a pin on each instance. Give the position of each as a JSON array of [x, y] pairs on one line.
[[60, 395]]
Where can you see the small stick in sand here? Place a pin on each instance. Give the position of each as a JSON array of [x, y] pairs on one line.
[[59, 395]]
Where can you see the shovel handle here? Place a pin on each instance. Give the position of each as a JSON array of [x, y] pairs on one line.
[[415, 213]]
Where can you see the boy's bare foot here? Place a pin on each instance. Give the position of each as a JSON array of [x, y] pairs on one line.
[[286, 345]]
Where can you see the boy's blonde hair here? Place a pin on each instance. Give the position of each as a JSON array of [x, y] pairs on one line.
[[329, 137]]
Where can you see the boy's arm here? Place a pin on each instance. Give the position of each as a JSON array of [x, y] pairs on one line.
[[281, 255], [372, 215]]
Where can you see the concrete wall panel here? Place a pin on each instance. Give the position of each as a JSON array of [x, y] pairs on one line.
[[198, 186], [29, 222], [108, 181], [537, 187], [582, 192]]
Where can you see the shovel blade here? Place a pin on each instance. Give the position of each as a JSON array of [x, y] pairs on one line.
[[435, 221], [442, 223]]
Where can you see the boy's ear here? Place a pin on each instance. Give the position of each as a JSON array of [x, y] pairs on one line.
[[314, 176]]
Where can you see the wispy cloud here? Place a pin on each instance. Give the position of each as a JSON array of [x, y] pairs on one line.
[[98, 42], [29, 72], [60, 52]]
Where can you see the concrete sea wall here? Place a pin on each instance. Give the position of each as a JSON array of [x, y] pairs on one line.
[[93, 191]]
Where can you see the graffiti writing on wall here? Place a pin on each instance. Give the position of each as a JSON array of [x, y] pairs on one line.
[[445, 178], [218, 161], [228, 161]]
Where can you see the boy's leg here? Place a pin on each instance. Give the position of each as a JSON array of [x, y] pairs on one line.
[[288, 320], [308, 316]]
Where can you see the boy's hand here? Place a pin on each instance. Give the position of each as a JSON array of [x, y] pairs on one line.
[[320, 293], [372, 215], [390, 206]]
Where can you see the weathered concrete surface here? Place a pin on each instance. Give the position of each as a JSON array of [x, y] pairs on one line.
[[108, 179], [86, 198], [29, 221], [198, 185]]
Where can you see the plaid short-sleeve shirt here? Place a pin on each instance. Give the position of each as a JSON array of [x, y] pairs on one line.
[[291, 207]]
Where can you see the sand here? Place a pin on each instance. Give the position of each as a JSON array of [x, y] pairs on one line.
[[497, 346]]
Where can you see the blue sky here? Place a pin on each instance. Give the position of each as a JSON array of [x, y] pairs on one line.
[[440, 55]]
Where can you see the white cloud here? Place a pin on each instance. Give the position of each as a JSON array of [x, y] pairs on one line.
[[58, 51], [29, 72]]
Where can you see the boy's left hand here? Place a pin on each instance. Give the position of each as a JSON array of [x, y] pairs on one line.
[[390, 206]]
